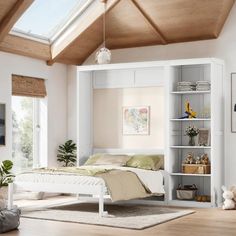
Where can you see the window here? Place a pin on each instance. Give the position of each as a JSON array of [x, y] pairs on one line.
[[45, 17], [25, 132]]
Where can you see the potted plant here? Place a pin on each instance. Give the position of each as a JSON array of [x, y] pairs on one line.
[[191, 131], [6, 177], [67, 153]]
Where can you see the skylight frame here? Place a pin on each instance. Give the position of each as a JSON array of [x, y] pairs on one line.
[[58, 30]]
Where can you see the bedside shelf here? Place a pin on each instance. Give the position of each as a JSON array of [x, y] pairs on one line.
[[191, 92], [191, 147], [195, 119], [195, 175]]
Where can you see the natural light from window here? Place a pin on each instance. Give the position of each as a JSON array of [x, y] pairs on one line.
[[45, 17]]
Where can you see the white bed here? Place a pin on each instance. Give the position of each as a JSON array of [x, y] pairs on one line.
[[76, 184]]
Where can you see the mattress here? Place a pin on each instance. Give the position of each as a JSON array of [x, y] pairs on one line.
[[153, 180]]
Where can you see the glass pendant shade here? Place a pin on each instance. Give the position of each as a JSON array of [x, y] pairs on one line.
[[103, 56]]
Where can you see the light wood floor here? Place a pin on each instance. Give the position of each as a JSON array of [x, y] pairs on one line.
[[205, 222]]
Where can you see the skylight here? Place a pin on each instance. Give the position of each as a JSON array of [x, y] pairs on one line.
[[44, 18]]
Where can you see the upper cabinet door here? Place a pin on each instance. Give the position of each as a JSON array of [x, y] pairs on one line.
[[148, 77], [113, 79]]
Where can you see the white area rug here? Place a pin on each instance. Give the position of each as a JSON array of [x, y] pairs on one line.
[[125, 216]]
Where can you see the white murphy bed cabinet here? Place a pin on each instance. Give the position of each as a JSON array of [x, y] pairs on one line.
[[167, 74]]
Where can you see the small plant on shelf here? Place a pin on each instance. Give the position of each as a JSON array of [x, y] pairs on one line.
[[67, 153], [192, 132]]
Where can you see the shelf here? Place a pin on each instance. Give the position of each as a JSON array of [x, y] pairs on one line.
[[191, 147], [177, 202], [191, 92], [194, 119], [183, 174]]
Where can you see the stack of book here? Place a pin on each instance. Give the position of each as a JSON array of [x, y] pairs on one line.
[[186, 86], [203, 86]]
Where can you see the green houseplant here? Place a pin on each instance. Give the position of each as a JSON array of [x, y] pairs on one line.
[[6, 176], [67, 153]]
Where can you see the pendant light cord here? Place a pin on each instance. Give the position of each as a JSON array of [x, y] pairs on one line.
[[104, 25]]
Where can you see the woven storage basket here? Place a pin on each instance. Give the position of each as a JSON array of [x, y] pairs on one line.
[[186, 193], [196, 169]]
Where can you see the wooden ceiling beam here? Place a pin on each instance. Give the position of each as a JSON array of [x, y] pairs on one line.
[[151, 22], [25, 47], [91, 15], [12, 16]]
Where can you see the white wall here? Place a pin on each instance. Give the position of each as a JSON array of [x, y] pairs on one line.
[[56, 85], [224, 47], [108, 120]]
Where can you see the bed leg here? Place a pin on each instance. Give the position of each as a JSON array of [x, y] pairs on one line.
[[101, 202], [10, 196]]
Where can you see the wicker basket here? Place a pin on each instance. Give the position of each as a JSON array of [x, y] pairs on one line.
[[196, 169], [187, 192]]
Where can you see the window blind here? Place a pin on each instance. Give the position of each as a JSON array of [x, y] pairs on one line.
[[28, 86]]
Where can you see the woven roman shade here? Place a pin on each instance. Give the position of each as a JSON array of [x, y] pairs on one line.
[[28, 86]]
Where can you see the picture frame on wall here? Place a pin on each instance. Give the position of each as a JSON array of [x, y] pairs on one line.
[[136, 120], [233, 102], [204, 137], [2, 124]]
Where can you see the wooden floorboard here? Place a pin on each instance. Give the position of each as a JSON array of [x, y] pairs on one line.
[[205, 222]]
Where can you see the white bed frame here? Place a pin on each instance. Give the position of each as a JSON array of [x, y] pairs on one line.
[[78, 189], [98, 190]]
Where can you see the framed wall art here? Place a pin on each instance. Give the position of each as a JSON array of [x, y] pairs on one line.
[[2, 124], [136, 120]]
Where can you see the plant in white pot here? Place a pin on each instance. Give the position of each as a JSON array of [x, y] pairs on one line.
[[6, 177]]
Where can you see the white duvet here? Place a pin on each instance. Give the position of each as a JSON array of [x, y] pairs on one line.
[[153, 180]]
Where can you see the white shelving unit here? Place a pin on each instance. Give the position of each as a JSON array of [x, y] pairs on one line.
[[178, 148], [191, 120], [190, 92], [166, 74]]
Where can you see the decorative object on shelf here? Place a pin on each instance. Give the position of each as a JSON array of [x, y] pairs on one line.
[[189, 159], [2, 124], [6, 177], [192, 132], [188, 192], [103, 56], [203, 198], [198, 169], [200, 165], [203, 85], [204, 159], [136, 120], [67, 153], [228, 196], [198, 160], [233, 102], [205, 113], [189, 113], [204, 137], [186, 86]]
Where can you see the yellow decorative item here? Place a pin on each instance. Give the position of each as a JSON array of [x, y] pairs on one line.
[[189, 113]]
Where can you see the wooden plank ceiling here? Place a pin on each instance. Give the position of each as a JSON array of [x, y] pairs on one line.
[[10, 12], [130, 23]]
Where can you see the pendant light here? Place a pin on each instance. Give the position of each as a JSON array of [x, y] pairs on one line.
[[103, 56]]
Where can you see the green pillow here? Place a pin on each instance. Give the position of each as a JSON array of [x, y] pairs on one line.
[[93, 158], [107, 159], [147, 162]]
